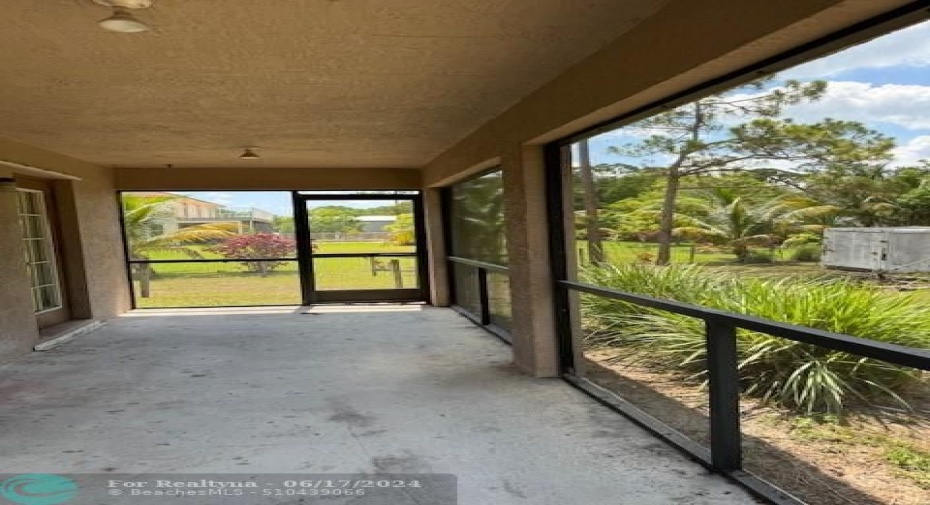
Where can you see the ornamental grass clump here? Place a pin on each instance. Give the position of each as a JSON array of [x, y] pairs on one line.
[[806, 378]]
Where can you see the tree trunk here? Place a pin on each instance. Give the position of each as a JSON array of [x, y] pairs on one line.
[[592, 220], [145, 278], [673, 182], [667, 221]]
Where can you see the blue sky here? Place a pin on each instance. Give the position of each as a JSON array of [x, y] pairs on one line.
[[278, 202], [884, 83]]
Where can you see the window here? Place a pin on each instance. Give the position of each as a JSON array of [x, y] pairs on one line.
[[40, 250], [728, 201], [476, 216]]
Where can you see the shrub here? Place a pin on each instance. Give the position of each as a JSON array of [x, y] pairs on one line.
[[259, 245], [755, 256], [807, 252], [807, 378]]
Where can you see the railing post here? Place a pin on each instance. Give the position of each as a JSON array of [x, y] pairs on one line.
[[398, 275], [483, 298], [723, 379]]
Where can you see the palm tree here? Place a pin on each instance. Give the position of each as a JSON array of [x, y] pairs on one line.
[[741, 224], [142, 218]]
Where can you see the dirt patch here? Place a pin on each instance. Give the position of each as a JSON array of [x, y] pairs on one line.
[[856, 461]]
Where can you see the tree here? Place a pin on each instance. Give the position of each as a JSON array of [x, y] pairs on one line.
[[334, 219], [874, 195], [914, 205], [590, 197], [696, 139], [402, 230], [254, 247], [477, 214], [740, 224], [619, 182], [143, 218], [284, 224], [394, 209], [638, 218]]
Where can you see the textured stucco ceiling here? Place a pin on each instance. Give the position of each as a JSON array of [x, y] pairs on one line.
[[312, 83]]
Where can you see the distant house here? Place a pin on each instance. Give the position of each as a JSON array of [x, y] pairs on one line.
[[188, 211], [375, 224]]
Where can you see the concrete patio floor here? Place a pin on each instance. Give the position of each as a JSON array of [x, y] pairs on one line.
[[345, 389]]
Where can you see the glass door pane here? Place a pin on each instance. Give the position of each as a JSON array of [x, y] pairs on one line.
[[40, 250]]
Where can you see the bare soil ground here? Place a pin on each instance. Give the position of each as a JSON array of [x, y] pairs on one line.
[[867, 458]]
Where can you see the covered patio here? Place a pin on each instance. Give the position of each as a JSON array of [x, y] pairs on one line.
[[327, 390], [457, 340]]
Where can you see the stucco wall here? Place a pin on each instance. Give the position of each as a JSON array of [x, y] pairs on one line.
[[98, 251], [17, 323]]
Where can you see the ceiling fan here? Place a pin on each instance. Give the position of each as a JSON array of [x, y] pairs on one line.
[[122, 19]]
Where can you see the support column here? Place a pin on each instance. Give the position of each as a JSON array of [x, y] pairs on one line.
[[18, 328], [535, 346], [436, 247]]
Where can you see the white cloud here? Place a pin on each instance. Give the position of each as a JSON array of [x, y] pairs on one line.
[[904, 105], [907, 47], [881, 107], [913, 151]]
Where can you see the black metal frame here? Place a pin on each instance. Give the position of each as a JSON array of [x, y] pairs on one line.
[[725, 452], [304, 257], [483, 318], [126, 255], [311, 295]]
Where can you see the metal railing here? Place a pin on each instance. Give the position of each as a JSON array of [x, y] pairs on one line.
[[484, 316], [726, 448]]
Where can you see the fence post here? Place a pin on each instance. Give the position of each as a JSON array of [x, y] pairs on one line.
[[398, 275], [723, 381]]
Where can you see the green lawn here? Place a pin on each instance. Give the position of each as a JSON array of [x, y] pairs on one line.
[[228, 284]]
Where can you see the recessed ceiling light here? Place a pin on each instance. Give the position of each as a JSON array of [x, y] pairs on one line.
[[123, 21], [249, 154]]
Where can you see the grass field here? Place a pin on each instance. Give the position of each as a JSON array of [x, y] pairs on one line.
[[228, 284]]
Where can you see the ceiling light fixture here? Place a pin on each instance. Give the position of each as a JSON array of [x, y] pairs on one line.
[[122, 20], [249, 154]]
